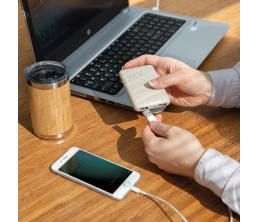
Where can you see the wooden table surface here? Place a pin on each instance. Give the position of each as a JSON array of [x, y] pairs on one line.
[[115, 134]]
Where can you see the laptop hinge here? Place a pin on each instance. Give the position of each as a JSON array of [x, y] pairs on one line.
[[125, 10]]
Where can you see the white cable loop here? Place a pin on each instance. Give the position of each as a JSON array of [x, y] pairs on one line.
[[137, 190]]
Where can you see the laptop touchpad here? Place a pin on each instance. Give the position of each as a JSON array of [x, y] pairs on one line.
[[188, 61]]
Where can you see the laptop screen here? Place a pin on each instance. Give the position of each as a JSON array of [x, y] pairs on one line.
[[58, 27]]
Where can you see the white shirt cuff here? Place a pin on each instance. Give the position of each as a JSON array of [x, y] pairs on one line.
[[226, 87], [214, 170]]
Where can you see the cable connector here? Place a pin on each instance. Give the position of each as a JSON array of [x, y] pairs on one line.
[[137, 190], [150, 117]]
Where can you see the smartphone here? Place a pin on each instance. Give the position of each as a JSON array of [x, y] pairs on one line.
[[95, 172], [142, 95]]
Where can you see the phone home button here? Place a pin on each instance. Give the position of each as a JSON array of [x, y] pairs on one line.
[[127, 184]]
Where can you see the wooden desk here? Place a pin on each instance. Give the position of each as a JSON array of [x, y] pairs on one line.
[[114, 133]]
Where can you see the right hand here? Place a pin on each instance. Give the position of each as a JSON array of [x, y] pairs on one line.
[[185, 85], [171, 148]]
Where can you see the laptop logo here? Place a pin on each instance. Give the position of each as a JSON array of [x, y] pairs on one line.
[[88, 32], [194, 29]]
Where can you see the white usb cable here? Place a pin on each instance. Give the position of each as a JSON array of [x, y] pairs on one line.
[[150, 117], [157, 6], [137, 190], [230, 215]]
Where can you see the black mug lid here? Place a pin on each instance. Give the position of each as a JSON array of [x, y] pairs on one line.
[[46, 75]]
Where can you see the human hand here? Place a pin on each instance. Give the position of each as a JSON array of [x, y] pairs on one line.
[[184, 85], [172, 149]]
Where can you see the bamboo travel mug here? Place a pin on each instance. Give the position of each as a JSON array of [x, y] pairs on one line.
[[49, 97]]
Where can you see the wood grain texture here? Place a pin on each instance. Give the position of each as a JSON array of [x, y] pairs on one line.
[[50, 110], [115, 134]]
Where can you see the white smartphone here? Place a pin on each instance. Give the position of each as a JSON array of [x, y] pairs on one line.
[[97, 173], [143, 97]]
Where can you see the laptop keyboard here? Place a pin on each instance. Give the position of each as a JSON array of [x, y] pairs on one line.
[[146, 36]]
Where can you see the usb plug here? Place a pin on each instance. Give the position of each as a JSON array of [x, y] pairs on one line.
[[150, 117]]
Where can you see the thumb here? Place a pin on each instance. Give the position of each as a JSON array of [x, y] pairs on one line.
[[165, 81], [160, 129]]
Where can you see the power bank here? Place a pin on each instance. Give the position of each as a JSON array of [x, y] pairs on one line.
[[142, 96]]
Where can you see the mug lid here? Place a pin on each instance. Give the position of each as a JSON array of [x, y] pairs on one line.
[[46, 75]]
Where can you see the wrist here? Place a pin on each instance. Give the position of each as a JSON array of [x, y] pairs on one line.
[[208, 88], [197, 157]]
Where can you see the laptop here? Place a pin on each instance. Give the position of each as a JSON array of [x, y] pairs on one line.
[[94, 39]]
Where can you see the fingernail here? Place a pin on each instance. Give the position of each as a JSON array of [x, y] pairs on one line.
[[154, 82], [160, 116], [153, 123]]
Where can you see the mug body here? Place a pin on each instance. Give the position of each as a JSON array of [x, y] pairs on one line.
[[49, 97]]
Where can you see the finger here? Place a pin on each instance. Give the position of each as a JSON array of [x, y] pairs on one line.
[[159, 117], [160, 129], [173, 79], [142, 61], [147, 134]]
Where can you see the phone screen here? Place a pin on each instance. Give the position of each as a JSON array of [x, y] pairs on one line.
[[95, 171]]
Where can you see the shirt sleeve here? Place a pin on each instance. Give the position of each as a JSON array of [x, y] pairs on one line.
[[221, 174], [226, 87]]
